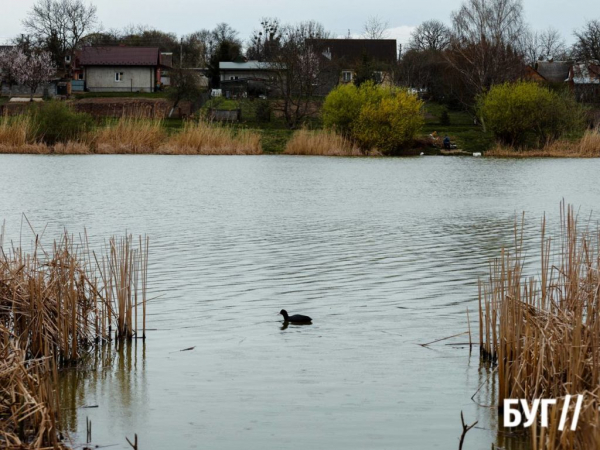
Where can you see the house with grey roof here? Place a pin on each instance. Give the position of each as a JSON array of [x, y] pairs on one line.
[[553, 71], [239, 79]]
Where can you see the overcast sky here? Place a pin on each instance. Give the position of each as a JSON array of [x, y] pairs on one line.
[[338, 16]]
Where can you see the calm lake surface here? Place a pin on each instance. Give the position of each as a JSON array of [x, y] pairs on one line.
[[382, 253]]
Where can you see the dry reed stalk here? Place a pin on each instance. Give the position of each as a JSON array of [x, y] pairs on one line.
[[545, 333], [322, 142], [203, 138], [29, 403], [130, 135], [586, 147]]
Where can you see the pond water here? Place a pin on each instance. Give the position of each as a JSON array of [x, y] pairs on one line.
[[384, 254]]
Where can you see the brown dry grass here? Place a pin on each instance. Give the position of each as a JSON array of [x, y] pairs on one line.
[[203, 138], [544, 333], [129, 135], [17, 135], [325, 142], [586, 147]]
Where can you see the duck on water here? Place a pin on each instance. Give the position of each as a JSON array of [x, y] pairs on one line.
[[296, 318]]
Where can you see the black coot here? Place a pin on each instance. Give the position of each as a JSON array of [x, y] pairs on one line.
[[296, 318]]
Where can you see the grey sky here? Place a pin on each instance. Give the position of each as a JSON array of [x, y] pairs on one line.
[[185, 16]]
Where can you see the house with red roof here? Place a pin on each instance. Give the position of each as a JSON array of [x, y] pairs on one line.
[[121, 68]]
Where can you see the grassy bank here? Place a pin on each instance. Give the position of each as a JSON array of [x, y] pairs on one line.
[[588, 146], [542, 333], [130, 136]]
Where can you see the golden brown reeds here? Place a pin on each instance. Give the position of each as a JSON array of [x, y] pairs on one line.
[[29, 403], [204, 138], [544, 333], [321, 142], [130, 135], [55, 304], [586, 147], [17, 135]]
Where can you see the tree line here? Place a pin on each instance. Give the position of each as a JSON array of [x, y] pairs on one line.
[[485, 43]]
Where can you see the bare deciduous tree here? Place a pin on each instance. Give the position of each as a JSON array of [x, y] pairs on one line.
[[545, 45], [298, 71], [59, 25], [485, 48], [265, 42], [430, 35], [587, 45], [376, 28]]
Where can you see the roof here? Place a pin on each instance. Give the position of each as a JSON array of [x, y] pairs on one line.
[[554, 71], [382, 50], [586, 73], [119, 56], [249, 65]]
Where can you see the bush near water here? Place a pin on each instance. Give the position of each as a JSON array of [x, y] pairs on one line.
[[527, 114], [373, 116]]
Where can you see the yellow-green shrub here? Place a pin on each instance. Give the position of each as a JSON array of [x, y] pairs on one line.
[[343, 104], [389, 124], [526, 113], [373, 116]]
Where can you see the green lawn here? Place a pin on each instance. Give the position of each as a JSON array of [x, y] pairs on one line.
[[461, 130]]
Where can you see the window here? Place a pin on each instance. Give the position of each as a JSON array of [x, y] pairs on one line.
[[118, 76], [79, 76], [68, 59], [346, 76], [378, 77], [233, 78]]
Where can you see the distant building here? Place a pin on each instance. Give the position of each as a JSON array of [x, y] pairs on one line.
[[238, 79], [349, 57], [584, 79], [120, 68], [549, 71]]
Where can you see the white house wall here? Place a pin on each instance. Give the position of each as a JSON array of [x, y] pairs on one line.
[[135, 79]]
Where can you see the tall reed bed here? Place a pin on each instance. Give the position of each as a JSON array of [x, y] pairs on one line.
[[205, 138], [56, 303], [586, 147], [544, 332], [130, 135], [322, 142], [17, 135]]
